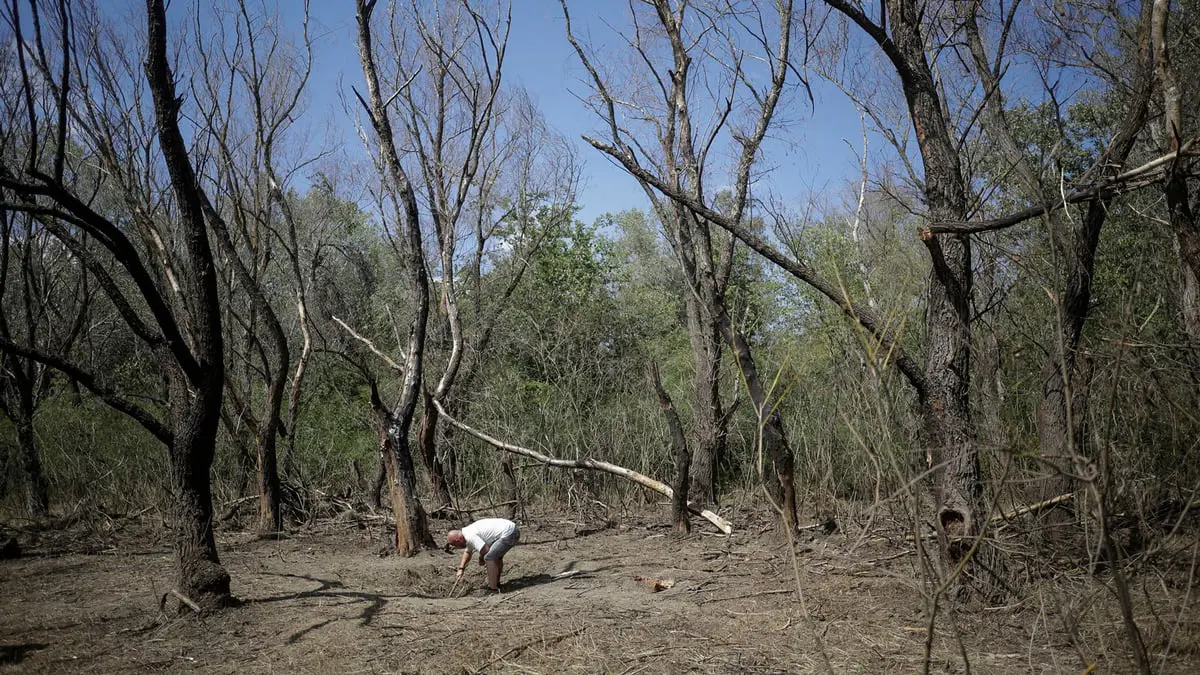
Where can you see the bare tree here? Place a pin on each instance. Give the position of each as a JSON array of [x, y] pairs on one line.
[[412, 530], [48, 178], [47, 308], [666, 140], [251, 218], [1183, 206]]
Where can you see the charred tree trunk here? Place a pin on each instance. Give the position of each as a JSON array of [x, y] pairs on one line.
[[709, 436], [197, 388], [412, 531], [512, 496], [945, 399], [270, 515], [195, 416], [780, 482], [679, 496], [428, 443], [37, 493]]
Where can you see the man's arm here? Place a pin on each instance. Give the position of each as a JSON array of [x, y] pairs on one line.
[[462, 563]]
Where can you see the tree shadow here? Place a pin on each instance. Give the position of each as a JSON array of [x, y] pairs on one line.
[[11, 655], [526, 581], [327, 589]]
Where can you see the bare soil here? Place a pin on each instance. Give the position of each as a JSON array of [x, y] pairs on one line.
[[324, 600]]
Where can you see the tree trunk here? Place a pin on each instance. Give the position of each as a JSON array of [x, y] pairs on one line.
[[428, 444], [270, 517], [511, 495], [380, 479], [780, 481], [945, 404], [707, 417], [37, 494], [679, 496], [412, 529], [201, 578]]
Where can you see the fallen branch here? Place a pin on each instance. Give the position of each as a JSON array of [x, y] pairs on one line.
[[748, 595], [1033, 508], [447, 507], [588, 463], [235, 505], [186, 600]]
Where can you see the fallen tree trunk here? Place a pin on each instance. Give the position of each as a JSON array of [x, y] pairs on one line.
[[588, 463]]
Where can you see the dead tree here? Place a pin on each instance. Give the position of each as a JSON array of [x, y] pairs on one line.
[[412, 532], [674, 176], [683, 458], [175, 282], [45, 303], [1183, 206]]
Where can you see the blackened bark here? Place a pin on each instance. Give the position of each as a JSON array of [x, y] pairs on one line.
[[428, 444], [780, 481], [37, 493], [679, 490], [512, 495], [412, 531], [200, 574], [270, 516], [195, 395]]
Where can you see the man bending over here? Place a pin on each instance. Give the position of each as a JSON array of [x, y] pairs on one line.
[[492, 537]]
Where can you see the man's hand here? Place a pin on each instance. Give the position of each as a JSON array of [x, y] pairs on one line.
[[482, 553], [459, 575]]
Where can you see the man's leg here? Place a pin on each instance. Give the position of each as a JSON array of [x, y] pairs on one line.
[[494, 568]]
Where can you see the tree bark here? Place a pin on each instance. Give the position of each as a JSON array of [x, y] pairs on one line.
[[196, 395], [428, 444], [37, 493], [412, 531], [679, 510], [200, 575]]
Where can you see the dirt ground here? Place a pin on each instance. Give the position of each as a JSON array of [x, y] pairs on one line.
[[325, 600]]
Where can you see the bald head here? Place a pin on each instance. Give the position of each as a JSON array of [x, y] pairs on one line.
[[456, 539]]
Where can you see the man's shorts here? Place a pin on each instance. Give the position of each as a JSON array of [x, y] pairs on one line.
[[497, 550]]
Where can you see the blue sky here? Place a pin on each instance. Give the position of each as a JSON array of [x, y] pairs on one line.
[[813, 158]]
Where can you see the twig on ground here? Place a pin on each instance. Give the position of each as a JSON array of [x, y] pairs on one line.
[[186, 600], [748, 595]]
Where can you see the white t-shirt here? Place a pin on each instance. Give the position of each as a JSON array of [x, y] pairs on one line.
[[487, 532]]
